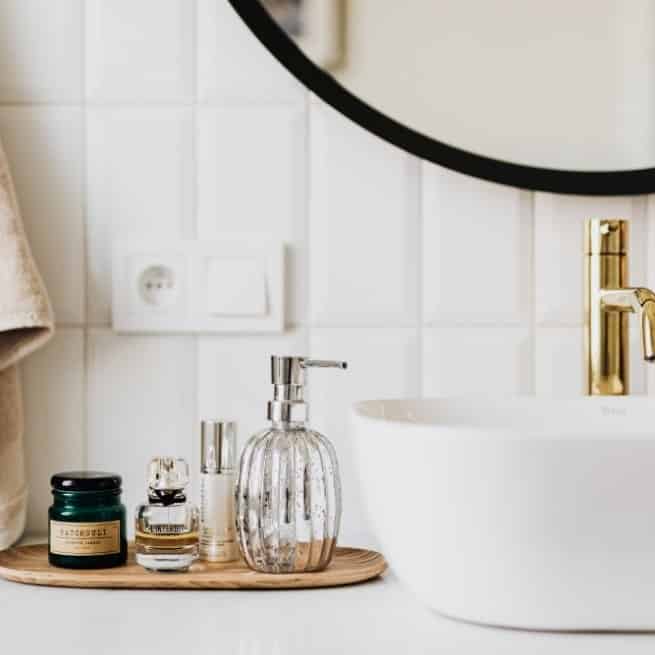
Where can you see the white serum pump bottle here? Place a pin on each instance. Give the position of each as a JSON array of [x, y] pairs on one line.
[[217, 479]]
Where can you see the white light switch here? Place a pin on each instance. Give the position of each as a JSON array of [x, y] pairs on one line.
[[236, 287]]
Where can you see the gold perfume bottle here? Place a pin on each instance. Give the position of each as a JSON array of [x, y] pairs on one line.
[[166, 531]]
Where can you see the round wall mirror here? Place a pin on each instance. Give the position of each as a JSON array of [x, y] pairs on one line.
[[554, 96]]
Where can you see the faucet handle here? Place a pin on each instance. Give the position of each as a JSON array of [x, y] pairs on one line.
[[607, 236]]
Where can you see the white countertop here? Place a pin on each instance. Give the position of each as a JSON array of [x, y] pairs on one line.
[[377, 617]]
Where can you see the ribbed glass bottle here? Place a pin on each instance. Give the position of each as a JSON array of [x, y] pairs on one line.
[[288, 500]]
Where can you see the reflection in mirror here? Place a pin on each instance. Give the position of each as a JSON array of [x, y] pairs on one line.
[[317, 27], [287, 14], [562, 85]]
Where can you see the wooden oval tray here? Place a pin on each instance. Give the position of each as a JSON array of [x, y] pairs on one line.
[[29, 564]]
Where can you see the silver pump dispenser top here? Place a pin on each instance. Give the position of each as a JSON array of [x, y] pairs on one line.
[[218, 446], [288, 378]]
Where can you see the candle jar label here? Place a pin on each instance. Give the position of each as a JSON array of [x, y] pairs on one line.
[[101, 538]]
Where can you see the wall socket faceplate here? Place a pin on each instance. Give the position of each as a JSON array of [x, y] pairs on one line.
[[234, 284]]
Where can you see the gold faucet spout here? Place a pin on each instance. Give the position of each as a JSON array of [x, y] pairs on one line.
[[648, 330], [638, 300], [625, 300]]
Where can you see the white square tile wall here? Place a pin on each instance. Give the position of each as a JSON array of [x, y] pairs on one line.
[[257, 79], [363, 226], [140, 403], [167, 117], [482, 360], [492, 225], [41, 46], [559, 363], [55, 439], [139, 181], [251, 179], [139, 51]]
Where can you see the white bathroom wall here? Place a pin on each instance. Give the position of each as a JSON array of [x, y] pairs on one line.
[[168, 117]]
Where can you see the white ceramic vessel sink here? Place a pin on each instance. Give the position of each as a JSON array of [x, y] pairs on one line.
[[519, 512]]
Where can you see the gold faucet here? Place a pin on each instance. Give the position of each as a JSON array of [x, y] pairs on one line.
[[608, 301]]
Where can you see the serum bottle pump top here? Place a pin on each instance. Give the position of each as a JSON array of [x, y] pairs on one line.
[[217, 479]]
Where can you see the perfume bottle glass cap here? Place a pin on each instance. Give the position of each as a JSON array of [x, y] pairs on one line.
[[168, 473], [218, 445]]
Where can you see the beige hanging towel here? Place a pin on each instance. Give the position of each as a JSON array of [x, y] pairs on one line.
[[26, 322]]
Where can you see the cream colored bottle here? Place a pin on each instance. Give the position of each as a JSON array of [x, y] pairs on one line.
[[217, 479]]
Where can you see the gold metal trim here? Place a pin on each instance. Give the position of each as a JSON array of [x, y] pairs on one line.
[[608, 301]]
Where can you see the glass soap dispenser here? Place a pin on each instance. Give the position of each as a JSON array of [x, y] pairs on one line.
[[166, 533], [288, 492]]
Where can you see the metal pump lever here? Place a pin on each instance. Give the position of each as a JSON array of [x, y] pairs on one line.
[[323, 363], [291, 370]]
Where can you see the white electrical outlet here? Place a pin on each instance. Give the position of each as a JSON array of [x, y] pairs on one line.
[[232, 285], [157, 286], [152, 281]]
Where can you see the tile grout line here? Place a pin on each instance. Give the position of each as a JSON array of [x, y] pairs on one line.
[[307, 224], [532, 329], [112, 105], [419, 209], [193, 227], [648, 228], [85, 238], [255, 336]]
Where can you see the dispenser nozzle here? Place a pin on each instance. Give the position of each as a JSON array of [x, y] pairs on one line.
[[323, 363], [291, 370]]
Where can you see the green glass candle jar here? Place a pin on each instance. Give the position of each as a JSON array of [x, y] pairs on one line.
[[86, 522]]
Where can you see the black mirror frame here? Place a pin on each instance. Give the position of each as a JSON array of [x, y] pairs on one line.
[[601, 183]]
